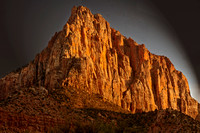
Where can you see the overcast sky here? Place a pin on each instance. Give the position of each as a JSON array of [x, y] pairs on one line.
[[27, 26]]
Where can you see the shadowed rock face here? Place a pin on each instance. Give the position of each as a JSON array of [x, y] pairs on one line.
[[88, 54]]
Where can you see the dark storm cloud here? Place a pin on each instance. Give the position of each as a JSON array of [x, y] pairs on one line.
[[26, 26]]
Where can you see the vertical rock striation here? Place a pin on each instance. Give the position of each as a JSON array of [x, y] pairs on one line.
[[88, 54]]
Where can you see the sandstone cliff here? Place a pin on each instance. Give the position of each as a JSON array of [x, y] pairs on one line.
[[90, 55]]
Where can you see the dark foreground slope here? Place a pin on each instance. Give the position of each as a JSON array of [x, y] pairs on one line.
[[84, 112], [91, 120], [95, 120]]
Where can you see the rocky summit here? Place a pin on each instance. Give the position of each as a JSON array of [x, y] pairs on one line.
[[88, 55]]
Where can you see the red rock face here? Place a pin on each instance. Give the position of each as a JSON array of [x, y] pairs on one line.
[[88, 54]]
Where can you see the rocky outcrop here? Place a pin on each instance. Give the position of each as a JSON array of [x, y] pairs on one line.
[[88, 54]]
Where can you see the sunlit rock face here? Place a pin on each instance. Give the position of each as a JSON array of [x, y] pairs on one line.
[[90, 55]]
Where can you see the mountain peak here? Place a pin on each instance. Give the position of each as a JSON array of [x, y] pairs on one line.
[[79, 9], [90, 56], [79, 13]]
